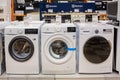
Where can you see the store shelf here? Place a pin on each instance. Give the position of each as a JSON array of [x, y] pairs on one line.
[[12, 10], [13, 15], [85, 0], [103, 17], [19, 15]]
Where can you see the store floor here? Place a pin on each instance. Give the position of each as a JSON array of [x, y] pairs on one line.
[[113, 76]]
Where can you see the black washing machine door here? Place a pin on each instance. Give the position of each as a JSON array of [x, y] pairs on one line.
[[21, 48], [97, 49]]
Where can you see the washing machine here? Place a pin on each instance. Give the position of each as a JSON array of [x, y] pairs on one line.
[[116, 65], [95, 48], [58, 48], [2, 52], [22, 43]]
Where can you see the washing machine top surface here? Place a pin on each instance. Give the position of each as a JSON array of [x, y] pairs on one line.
[[20, 27], [58, 27], [23, 24], [95, 28], [91, 25], [32, 22], [3, 24]]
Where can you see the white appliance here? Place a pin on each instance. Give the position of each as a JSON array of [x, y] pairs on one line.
[[22, 48], [116, 65], [2, 53], [95, 48], [58, 48]]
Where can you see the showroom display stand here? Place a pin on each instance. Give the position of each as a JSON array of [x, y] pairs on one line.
[[113, 76]]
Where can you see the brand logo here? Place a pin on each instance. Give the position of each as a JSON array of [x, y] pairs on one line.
[[77, 6], [51, 6]]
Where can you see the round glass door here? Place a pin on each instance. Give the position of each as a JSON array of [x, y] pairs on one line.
[[58, 49], [21, 49], [97, 49]]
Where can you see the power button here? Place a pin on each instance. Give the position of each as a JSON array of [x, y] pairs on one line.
[[96, 31], [20, 31]]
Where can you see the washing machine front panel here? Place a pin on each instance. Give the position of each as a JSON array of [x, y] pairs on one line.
[[97, 49], [21, 48], [23, 55]]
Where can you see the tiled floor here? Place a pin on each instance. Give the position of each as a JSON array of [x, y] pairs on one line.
[[113, 76]]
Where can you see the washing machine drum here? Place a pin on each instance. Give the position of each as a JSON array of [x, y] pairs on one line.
[[58, 49], [21, 48], [97, 49]]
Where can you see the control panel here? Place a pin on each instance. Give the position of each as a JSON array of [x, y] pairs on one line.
[[96, 31], [31, 31], [71, 29], [107, 30]]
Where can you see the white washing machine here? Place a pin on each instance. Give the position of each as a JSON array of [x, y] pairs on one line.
[[95, 48], [2, 53], [22, 48], [58, 48], [116, 65]]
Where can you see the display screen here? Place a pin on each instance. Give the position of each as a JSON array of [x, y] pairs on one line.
[[71, 29], [31, 31]]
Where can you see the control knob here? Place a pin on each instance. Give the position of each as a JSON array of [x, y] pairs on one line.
[[96, 31]]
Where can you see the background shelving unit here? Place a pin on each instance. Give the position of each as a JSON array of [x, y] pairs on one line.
[[13, 15]]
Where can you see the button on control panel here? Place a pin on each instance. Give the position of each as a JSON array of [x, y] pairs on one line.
[[31, 31], [20, 31], [96, 31], [71, 29]]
